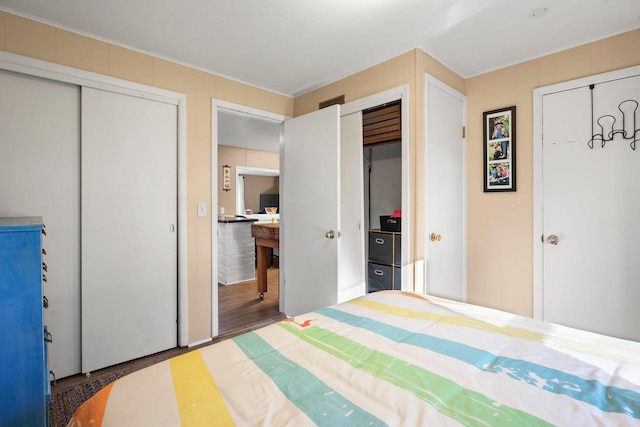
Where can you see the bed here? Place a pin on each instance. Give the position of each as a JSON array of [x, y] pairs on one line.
[[388, 358]]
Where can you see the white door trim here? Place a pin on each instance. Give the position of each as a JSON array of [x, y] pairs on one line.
[[538, 93], [431, 80], [60, 73], [229, 107], [397, 93], [245, 170]]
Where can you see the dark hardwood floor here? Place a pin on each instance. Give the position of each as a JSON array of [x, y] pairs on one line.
[[240, 310]]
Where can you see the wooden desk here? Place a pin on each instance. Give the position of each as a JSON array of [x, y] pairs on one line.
[[267, 237]]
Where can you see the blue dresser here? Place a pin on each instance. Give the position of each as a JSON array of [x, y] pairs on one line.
[[24, 374]]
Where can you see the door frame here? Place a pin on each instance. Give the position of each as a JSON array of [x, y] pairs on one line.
[[538, 93], [218, 105], [61, 73], [431, 80], [400, 93], [246, 170]]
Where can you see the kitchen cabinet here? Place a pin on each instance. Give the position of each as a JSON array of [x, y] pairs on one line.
[[236, 250]]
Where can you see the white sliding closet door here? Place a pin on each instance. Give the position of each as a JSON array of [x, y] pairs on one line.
[[39, 176], [129, 239]]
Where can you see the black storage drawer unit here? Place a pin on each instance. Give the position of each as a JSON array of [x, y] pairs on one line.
[[396, 249], [379, 277], [387, 223], [397, 274], [381, 248], [384, 261]]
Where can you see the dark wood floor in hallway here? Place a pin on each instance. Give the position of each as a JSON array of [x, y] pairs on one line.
[[240, 308]]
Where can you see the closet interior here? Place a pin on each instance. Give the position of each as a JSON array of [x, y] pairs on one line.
[[382, 169]]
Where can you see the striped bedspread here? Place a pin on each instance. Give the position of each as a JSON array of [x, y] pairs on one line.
[[388, 358]]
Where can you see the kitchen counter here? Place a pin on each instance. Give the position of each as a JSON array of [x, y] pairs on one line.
[[227, 219]]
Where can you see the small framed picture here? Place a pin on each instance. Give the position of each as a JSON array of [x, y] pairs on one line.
[[500, 150], [226, 178]]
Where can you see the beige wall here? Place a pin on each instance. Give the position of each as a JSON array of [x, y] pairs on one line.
[[234, 157], [409, 69], [500, 225], [254, 186], [33, 39]]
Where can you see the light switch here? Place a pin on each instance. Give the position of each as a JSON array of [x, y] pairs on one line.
[[202, 209]]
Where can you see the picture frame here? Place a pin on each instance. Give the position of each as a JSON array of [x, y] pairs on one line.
[[226, 178], [499, 150]]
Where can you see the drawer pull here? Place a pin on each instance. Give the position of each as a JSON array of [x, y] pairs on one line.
[[44, 252], [378, 272], [44, 278], [379, 241], [45, 302], [44, 266], [47, 336]]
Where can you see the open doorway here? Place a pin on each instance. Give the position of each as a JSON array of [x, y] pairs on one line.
[[246, 154], [292, 253]]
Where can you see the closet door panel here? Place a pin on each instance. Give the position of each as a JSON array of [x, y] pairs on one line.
[[129, 240], [40, 176]]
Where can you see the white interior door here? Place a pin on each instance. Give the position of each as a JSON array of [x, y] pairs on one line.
[[351, 259], [40, 176], [445, 192], [311, 221], [591, 203], [129, 239]]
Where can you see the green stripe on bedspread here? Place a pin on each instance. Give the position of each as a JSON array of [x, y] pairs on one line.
[[465, 406], [316, 399], [604, 397]]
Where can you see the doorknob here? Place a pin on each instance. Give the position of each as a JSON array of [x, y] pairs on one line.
[[553, 239], [435, 237], [330, 234]]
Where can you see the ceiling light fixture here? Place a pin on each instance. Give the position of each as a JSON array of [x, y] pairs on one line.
[[536, 13]]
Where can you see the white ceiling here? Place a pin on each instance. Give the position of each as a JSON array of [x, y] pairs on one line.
[[241, 131], [294, 46]]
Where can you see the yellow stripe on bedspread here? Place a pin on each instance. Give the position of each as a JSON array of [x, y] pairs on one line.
[[199, 400]]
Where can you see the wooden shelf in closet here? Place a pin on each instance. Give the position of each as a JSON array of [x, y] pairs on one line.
[[382, 124]]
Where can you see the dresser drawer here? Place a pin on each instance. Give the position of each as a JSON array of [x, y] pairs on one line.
[[381, 248], [380, 277]]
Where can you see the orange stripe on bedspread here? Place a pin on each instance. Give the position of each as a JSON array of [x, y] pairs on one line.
[[91, 413], [199, 400]]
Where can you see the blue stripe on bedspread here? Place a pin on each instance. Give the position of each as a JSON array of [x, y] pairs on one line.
[[318, 401], [606, 398]]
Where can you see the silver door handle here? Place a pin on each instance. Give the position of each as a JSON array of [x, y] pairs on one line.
[[553, 239], [330, 234]]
